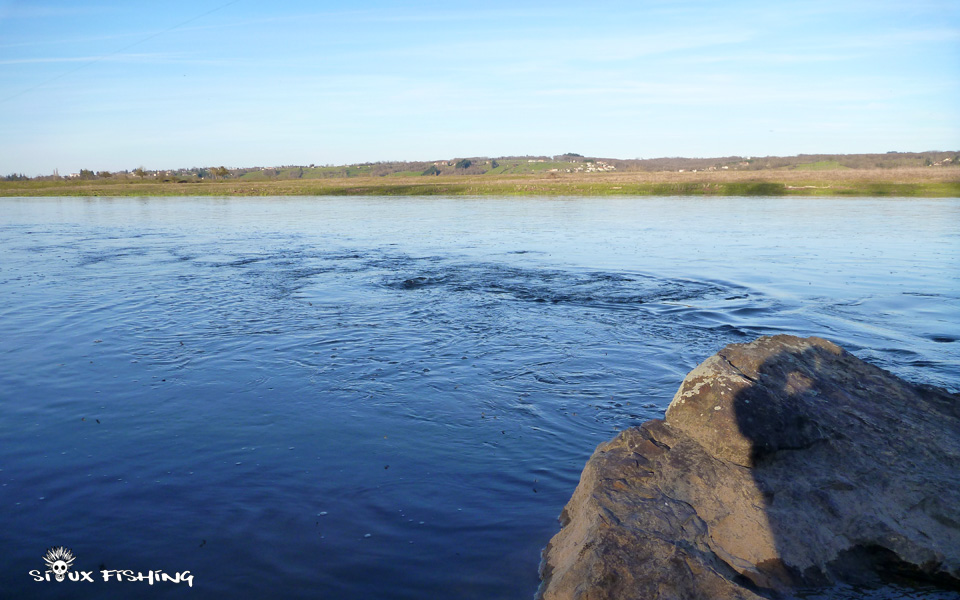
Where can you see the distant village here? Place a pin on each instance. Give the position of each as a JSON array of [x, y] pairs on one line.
[[522, 165]]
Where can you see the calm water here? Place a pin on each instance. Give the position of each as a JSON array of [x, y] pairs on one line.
[[393, 398]]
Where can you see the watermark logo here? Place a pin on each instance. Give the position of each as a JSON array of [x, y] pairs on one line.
[[59, 560]]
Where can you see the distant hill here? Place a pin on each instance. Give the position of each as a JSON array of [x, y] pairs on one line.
[[575, 163], [529, 165]]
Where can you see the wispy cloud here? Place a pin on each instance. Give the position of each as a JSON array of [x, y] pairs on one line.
[[769, 58], [149, 58], [737, 92], [72, 41], [35, 11], [78, 59], [554, 49], [893, 39]]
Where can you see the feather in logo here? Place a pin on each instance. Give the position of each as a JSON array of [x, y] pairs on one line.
[[59, 560]]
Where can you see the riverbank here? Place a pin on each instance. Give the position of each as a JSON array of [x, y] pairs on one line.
[[910, 182]]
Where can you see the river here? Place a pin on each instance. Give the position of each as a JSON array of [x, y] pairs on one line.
[[393, 398]]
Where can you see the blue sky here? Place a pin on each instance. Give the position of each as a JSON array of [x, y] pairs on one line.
[[116, 85]]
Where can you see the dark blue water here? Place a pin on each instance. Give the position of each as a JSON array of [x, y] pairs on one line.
[[393, 398]]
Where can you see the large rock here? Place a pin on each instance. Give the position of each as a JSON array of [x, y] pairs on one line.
[[784, 462]]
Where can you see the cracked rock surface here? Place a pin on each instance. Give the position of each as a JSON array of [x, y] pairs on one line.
[[781, 463]]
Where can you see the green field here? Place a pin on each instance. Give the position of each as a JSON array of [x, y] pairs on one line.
[[821, 165], [914, 182]]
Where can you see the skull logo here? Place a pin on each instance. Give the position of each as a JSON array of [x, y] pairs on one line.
[[59, 560]]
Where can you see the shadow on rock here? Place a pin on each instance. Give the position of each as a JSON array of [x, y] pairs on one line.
[[780, 464]]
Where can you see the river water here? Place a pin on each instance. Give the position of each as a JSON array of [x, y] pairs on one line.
[[394, 397]]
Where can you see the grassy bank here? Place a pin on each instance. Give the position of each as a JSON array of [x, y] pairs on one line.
[[914, 182]]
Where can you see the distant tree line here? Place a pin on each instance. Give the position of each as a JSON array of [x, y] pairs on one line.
[[571, 161]]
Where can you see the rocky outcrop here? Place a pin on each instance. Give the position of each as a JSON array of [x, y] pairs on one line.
[[783, 462]]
